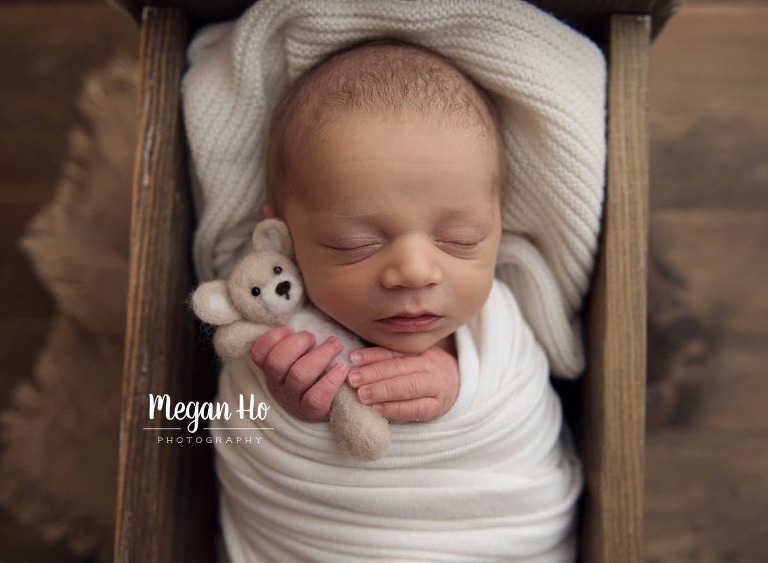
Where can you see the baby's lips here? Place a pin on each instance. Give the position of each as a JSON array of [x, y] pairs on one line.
[[411, 323]]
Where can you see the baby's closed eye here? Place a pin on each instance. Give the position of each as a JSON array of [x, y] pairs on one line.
[[352, 244], [350, 250], [458, 243], [461, 239]]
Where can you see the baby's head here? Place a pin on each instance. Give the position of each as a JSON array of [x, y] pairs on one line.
[[387, 164]]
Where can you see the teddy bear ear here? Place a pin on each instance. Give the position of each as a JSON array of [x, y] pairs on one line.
[[211, 303], [273, 234]]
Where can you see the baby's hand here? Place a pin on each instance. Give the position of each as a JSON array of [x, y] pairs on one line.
[[292, 367], [419, 387]]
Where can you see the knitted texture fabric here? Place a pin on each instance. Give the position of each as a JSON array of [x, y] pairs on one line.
[[547, 80]]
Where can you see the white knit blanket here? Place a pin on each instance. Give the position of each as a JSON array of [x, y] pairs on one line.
[[493, 482], [549, 84]]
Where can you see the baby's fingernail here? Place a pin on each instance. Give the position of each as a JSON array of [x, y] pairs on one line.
[[378, 408], [355, 357], [355, 378], [365, 394]]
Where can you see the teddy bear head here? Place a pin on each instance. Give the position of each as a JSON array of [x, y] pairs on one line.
[[264, 288]]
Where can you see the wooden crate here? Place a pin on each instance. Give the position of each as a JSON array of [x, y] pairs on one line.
[[166, 495]]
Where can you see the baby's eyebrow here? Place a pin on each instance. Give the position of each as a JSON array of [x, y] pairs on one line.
[[352, 216], [396, 161], [443, 215], [446, 215], [462, 214]]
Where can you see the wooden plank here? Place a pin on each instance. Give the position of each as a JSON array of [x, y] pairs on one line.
[[589, 16], [708, 326], [710, 504], [614, 389], [165, 505], [708, 112]]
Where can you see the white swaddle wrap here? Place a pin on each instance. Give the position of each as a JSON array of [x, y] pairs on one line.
[[491, 482]]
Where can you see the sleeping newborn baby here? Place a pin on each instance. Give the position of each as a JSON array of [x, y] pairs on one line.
[[387, 165]]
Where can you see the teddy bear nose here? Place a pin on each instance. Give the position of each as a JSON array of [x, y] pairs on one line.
[[284, 289]]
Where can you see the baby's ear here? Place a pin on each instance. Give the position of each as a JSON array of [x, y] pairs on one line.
[[273, 234], [211, 303]]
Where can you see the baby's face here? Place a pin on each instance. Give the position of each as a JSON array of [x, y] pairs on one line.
[[396, 226]]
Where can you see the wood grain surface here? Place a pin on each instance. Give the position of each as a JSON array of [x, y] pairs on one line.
[[165, 497], [589, 16], [613, 415], [706, 465]]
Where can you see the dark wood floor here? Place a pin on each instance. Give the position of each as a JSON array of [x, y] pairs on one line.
[[707, 460], [707, 447]]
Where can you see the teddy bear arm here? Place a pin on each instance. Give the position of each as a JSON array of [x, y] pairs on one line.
[[212, 304], [235, 340]]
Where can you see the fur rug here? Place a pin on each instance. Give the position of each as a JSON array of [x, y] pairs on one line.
[[58, 469]]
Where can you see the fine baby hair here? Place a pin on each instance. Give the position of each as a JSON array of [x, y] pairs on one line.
[[265, 291], [380, 78]]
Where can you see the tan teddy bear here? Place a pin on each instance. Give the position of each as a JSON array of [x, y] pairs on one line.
[[265, 290]]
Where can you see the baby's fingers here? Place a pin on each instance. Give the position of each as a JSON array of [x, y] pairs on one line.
[[415, 410], [306, 370], [411, 386], [316, 402], [284, 355], [395, 366], [264, 344], [365, 356]]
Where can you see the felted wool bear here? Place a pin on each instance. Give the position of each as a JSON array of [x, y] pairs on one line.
[[265, 290]]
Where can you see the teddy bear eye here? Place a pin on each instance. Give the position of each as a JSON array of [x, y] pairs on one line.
[[277, 270], [255, 291]]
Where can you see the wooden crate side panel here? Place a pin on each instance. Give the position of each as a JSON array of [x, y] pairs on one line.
[[614, 389], [165, 509], [588, 16]]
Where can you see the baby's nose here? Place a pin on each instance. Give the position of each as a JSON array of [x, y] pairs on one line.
[[284, 289], [412, 265]]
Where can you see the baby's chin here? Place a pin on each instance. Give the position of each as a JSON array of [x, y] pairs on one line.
[[415, 343]]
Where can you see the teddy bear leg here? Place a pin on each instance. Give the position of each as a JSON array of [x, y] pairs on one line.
[[358, 429]]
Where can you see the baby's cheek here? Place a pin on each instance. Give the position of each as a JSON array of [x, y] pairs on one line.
[[329, 296], [473, 293]]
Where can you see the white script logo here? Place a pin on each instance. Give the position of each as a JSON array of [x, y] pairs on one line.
[[194, 411]]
